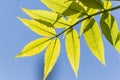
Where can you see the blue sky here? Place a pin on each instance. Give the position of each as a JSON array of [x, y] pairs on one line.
[[14, 36]]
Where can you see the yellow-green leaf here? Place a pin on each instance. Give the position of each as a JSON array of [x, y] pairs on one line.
[[34, 47], [88, 10], [47, 18], [38, 27], [72, 43], [93, 39], [117, 43], [107, 4], [64, 7], [84, 24], [109, 28], [51, 56], [96, 4]]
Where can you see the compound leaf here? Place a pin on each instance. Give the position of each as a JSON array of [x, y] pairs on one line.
[[38, 27], [51, 56], [34, 47], [93, 39], [72, 43]]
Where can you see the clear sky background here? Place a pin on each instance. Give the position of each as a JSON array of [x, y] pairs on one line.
[[14, 36]]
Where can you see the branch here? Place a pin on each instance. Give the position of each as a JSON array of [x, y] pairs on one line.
[[95, 14]]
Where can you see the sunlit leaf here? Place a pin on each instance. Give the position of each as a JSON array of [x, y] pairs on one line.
[[34, 47], [72, 43], [64, 7], [38, 27], [117, 43], [51, 56], [107, 4], [88, 10], [83, 26], [109, 28], [93, 39], [47, 18], [96, 4]]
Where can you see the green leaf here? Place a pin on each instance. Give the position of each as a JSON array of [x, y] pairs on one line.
[[72, 43], [34, 47], [38, 27], [65, 7], [107, 4], [47, 18], [96, 4], [109, 28], [117, 43], [84, 24], [88, 10], [93, 39], [51, 56]]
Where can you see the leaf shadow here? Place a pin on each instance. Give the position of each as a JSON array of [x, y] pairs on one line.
[[73, 9]]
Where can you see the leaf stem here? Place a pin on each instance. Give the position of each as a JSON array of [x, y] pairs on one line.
[[107, 10]]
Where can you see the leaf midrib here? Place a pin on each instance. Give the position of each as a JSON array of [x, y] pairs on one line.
[[49, 19], [42, 29], [74, 48], [35, 46], [96, 42], [52, 54]]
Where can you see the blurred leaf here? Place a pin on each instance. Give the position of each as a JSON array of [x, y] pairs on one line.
[[93, 39], [38, 27], [96, 4], [34, 47], [47, 18], [109, 28], [51, 56], [72, 43], [107, 4]]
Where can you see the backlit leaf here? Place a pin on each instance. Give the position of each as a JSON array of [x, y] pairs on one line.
[[88, 10], [107, 4], [96, 4], [34, 47], [72, 43], [38, 27], [51, 56], [109, 28], [93, 39], [117, 43], [83, 26], [64, 7], [47, 18]]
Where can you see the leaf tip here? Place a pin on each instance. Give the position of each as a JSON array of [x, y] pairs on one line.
[[103, 63], [21, 19], [20, 55], [18, 18], [25, 10], [17, 56], [76, 75], [44, 78]]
